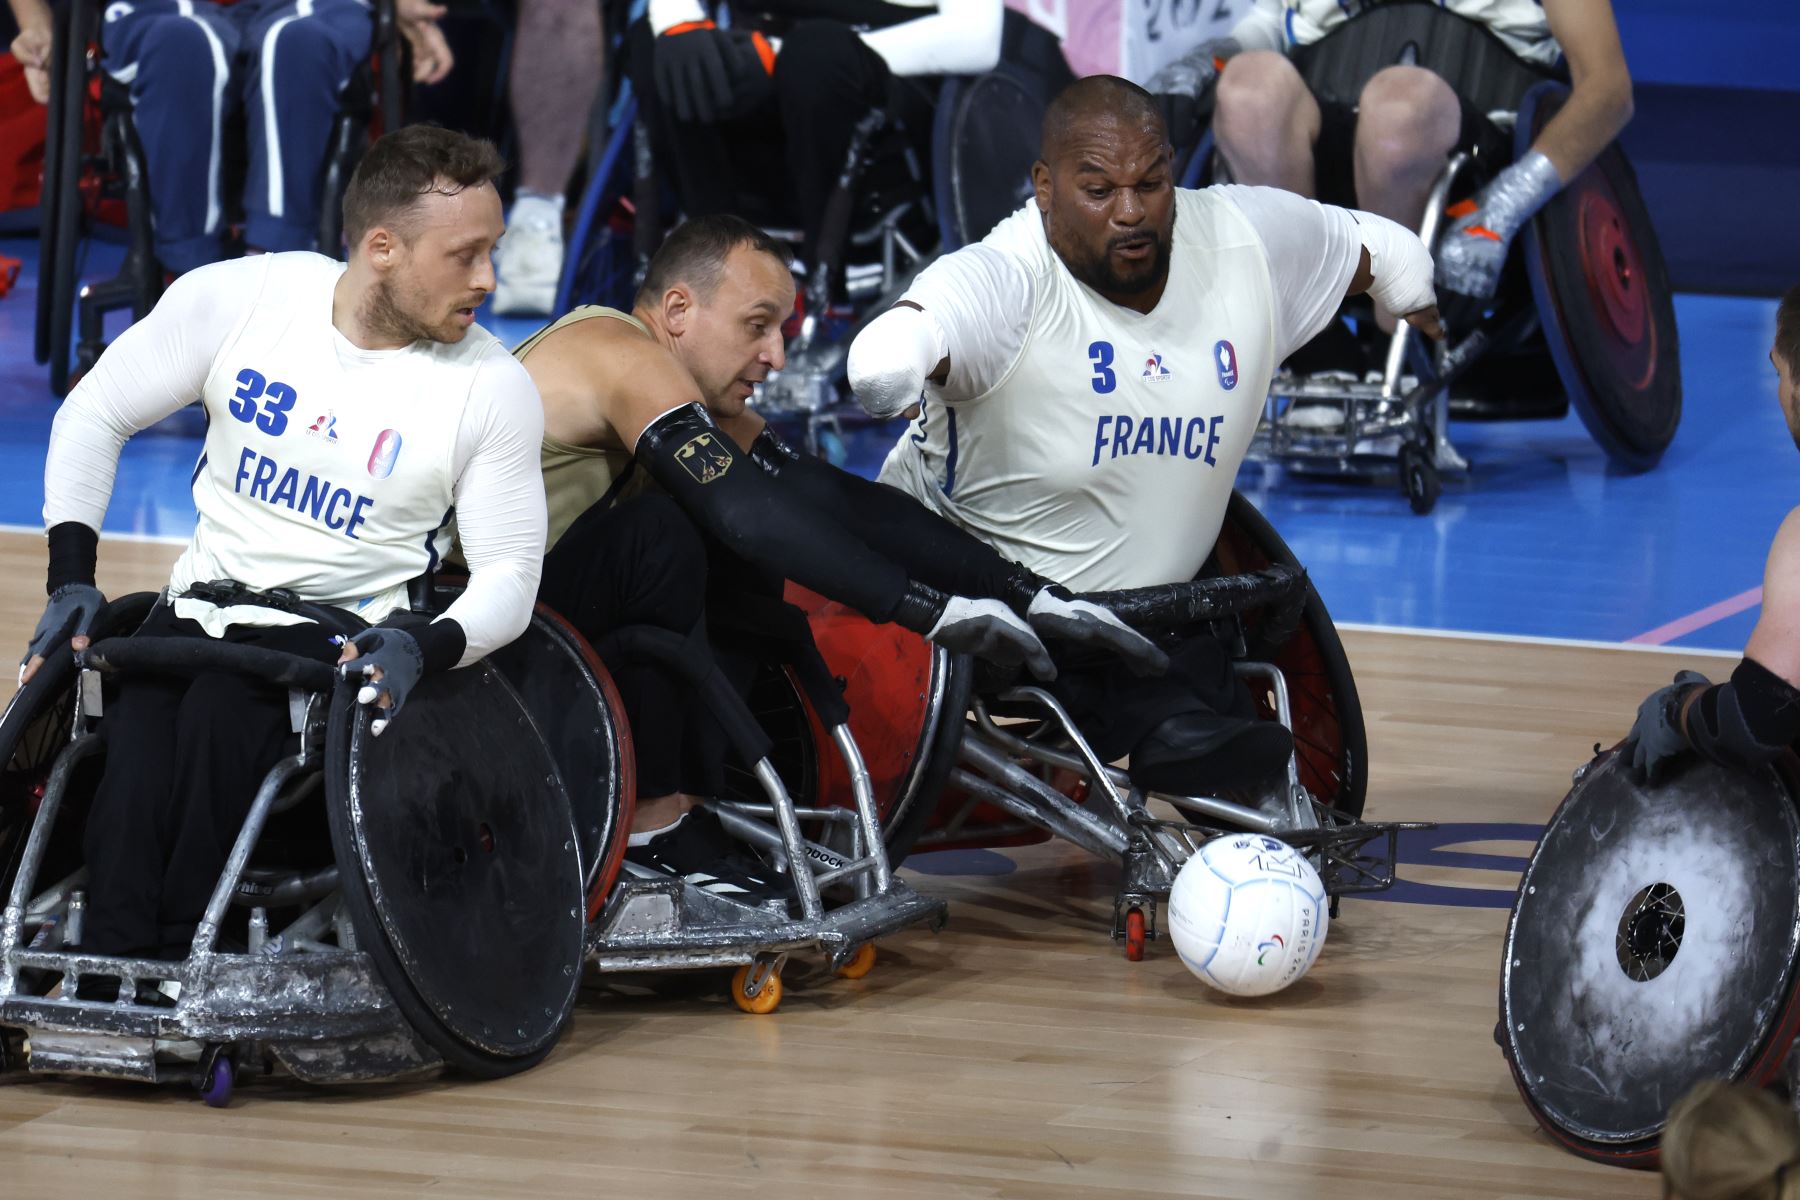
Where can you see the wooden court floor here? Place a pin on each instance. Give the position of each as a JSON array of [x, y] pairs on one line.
[[1015, 1055]]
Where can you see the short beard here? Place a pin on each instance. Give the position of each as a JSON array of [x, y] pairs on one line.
[[1099, 273], [383, 316]]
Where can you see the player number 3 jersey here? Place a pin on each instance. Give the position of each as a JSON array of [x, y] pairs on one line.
[[1104, 455]]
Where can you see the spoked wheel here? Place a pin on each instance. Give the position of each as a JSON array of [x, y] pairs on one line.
[[985, 140]]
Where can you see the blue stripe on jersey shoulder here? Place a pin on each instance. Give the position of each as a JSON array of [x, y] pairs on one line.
[[950, 458]]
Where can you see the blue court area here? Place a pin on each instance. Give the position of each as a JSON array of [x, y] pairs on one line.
[[1543, 539]]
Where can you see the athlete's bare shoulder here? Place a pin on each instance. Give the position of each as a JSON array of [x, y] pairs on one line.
[[1775, 642], [588, 372], [1784, 556]]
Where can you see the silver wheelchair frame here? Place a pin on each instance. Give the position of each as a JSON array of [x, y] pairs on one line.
[[318, 1009], [843, 885], [1113, 822]]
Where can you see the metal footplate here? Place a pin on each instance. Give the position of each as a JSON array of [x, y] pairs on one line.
[[661, 923], [322, 1015]]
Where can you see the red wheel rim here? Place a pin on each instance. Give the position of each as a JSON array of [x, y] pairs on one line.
[[1615, 283]]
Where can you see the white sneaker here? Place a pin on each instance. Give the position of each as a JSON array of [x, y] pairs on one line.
[[1314, 416], [531, 256]]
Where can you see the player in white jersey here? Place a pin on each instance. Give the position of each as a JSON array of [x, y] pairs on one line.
[[1092, 373], [349, 411], [1272, 130]]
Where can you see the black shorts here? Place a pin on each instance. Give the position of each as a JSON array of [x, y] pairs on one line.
[[1334, 156]]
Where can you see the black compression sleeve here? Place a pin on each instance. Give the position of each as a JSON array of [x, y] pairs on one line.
[[441, 643], [758, 517], [931, 549], [74, 549], [1748, 720]]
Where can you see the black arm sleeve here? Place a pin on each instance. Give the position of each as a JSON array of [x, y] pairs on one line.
[[74, 549], [441, 643], [1747, 720], [931, 549], [752, 514]]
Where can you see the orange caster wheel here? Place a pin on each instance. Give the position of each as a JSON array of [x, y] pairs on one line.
[[767, 998], [860, 964], [1134, 935]]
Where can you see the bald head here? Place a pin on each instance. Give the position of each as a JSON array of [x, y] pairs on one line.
[[1104, 188], [1100, 106]]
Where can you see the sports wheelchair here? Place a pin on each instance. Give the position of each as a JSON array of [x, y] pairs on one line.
[[888, 216], [977, 761], [1583, 316], [446, 929], [1653, 944], [833, 859], [95, 175], [478, 862]]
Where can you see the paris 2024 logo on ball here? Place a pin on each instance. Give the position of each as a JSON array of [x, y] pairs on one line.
[[1248, 914]]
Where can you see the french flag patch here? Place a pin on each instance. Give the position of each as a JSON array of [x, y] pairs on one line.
[[1225, 359], [385, 453]]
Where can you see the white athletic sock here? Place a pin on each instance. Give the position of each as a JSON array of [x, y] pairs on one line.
[[524, 204]]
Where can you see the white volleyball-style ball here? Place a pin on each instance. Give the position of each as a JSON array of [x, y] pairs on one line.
[[1248, 914]]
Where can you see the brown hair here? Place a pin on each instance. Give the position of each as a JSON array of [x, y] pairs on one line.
[[695, 254], [1730, 1141], [407, 164], [1787, 329]]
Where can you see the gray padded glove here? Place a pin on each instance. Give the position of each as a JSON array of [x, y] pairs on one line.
[[1656, 739], [69, 613], [1055, 613], [397, 656], [989, 629]]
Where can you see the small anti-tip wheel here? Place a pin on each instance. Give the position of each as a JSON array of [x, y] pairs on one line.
[[767, 998], [1134, 935], [218, 1075], [860, 964], [1419, 479]]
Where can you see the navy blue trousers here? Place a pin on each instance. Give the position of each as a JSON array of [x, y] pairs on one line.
[[190, 64]]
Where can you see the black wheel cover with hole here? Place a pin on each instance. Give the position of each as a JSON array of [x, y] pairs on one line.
[[1652, 945], [1329, 736], [986, 140], [1602, 294], [457, 854]]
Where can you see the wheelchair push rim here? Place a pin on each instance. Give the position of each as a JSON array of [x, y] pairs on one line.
[[1653, 943], [37, 724], [906, 700], [1602, 293]]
